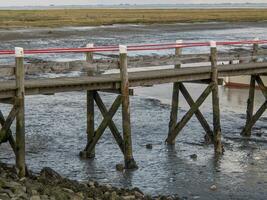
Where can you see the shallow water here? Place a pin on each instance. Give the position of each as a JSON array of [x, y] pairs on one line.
[[56, 127]]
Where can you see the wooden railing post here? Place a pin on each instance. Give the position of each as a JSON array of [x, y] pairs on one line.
[[89, 109], [126, 122], [215, 100], [250, 102], [175, 96], [20, 117]]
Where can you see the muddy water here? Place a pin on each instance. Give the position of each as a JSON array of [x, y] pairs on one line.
[[56, 126]]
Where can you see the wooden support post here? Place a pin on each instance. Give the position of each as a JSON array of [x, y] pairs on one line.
[[126, 122], [175, 97], [215, 101], [250, 102], [90, 109], [20, 122], [250, 106]]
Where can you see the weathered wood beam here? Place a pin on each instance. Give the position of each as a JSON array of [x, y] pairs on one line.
[[117, 91], [261, 86], [215, 101], [7, 101], [99, 132], [115, 132], [189, 114], [4, 132], [200, 117], [250, 105], [126, 119], [255, 118], [20, 117], [90, 110], [11, 139], [175, 98]]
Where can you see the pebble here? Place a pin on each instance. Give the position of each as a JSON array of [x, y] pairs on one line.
[[213, 187], [149, 146], [193, 156]]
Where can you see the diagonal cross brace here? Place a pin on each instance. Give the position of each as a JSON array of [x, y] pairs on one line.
[[198, 114], [9, 133], [258, 114], [115, 132], [189, 113], [5, 132], [107, 118]]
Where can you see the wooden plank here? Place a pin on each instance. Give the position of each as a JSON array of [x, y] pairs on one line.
[[189, 114], [115, 132], [126, 119]]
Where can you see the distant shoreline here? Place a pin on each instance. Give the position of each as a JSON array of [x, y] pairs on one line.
[[143, 6], [97, 17]]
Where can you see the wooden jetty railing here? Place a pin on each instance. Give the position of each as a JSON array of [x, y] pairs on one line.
[[13, 91]]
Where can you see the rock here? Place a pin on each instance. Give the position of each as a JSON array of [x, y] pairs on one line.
[[138, 194], [67, 190], [213, 187], [4, 196], [113, 196], [149, 146], [34, 192], [119, 167], [91, 184], [49, 173], [193, 156], [44, 197], [130, 197], [35, 197]]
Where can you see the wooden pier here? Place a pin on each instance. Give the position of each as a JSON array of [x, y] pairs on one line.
[[13, 91]]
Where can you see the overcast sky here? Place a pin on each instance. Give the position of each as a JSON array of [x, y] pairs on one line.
[[84, 2]]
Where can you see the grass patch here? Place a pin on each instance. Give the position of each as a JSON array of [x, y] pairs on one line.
[[95, 17]]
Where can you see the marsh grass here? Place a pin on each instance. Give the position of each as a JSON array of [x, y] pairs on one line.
[[95, 17]]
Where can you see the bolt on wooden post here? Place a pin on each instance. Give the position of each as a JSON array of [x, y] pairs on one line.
[[175, 95], [89, 108], [215, 99], [20, 117], [126, 121]]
